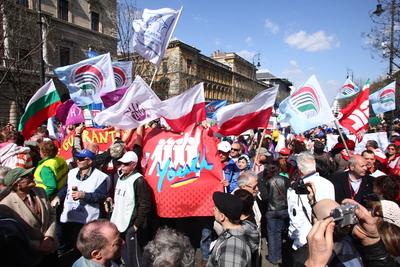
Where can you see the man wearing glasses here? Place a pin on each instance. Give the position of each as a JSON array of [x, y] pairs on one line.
[[29, 206], [132, 208], [85, 191], [236, 151]]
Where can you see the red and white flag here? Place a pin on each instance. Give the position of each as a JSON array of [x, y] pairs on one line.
[[184, 110], [354, 116], [237, 118]]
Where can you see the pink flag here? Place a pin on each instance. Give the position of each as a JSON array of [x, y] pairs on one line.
[[184, 110], [113, 97], [75, 115], [237, 118], [62, 110]]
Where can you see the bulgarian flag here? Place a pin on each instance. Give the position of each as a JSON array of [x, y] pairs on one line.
[[42, 106]]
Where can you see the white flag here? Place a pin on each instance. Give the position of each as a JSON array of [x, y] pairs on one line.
[[122, 73], [153, 32], [306, 108], [138, 106]]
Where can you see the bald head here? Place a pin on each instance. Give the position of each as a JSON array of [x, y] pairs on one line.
[[323, 208], [358, 166]]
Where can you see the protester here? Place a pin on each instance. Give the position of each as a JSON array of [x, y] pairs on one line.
[[248, 222], [99, 243], [83, 195], [273, 189], [132, 208], [261, 158], [28, 205], [354, 183], [393, 164], [51, 173], [13, 154], [243, 163], [299, 208], [231, 171], [230, 249], [168, 249], [387, 187], [236, 151], [249, 182]]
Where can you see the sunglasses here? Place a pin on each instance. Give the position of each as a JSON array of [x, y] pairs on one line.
[[81, 159], [126, 163], [235, 149]]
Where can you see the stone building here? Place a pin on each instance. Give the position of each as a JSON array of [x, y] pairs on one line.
[[69, 30], [225, 75], [282, 83]]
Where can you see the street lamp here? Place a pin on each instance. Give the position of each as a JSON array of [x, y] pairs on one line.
[[379, 10]]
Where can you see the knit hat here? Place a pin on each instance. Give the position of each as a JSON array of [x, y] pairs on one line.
[[14, 174], [390, 212], [231, 206]]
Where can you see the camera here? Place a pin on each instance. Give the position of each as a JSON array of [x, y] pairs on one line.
[[345, 215], [300, 188]]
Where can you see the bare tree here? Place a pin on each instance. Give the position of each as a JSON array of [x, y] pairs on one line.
[[384, 37], [19, 50]]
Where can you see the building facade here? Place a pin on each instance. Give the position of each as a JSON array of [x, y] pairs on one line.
[[282, 83], [226, 76], [69, 30]]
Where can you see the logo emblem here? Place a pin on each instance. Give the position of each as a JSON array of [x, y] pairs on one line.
[[349, 90], [386, 97], [88, 78], [120, 77], [306, 102]]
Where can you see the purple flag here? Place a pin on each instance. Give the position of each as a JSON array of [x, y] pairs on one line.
[[75, 115], [62, 111], [113, 97]]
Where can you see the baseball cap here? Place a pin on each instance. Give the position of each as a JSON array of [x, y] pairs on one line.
[[224, 146], [129, 156], [231, 206], [85, 153], [284, 151], [14, 174]]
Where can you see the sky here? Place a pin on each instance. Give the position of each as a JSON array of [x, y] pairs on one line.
[[295, 38]]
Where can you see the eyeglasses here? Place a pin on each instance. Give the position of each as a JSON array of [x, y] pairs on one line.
[[235, 149]]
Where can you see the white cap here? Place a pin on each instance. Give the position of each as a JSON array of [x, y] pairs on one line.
[[224, 146], [129, 156], [391, 212]]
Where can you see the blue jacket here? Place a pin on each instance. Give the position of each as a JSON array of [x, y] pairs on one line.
[[231, 172]]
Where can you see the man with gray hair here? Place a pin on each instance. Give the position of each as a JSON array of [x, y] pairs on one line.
[[249, 182], [299, 207]]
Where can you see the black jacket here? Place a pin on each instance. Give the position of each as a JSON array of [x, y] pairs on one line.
[[273, 192], [342, 187]]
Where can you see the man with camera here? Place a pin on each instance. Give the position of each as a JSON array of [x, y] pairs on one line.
[[299, 207]]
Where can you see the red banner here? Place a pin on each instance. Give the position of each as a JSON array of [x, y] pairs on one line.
[[354, 116], [102, 137], [183, 171]]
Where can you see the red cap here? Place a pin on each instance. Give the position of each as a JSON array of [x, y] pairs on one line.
[[285, 151]]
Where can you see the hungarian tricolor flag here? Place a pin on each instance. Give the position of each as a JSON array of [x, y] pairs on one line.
[[42, 106], [354, 116]]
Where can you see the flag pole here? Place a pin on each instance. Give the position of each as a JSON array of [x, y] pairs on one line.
[[154, 75], [341, 136], [259, 146]]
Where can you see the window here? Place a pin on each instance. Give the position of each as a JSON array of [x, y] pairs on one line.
[[63, 9], [22, 3], [94, 18], [64, 56]]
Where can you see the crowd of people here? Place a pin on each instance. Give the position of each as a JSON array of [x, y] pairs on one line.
[[314, 206]]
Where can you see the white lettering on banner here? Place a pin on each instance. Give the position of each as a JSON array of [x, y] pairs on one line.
[[360, 116], [182, 151]]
